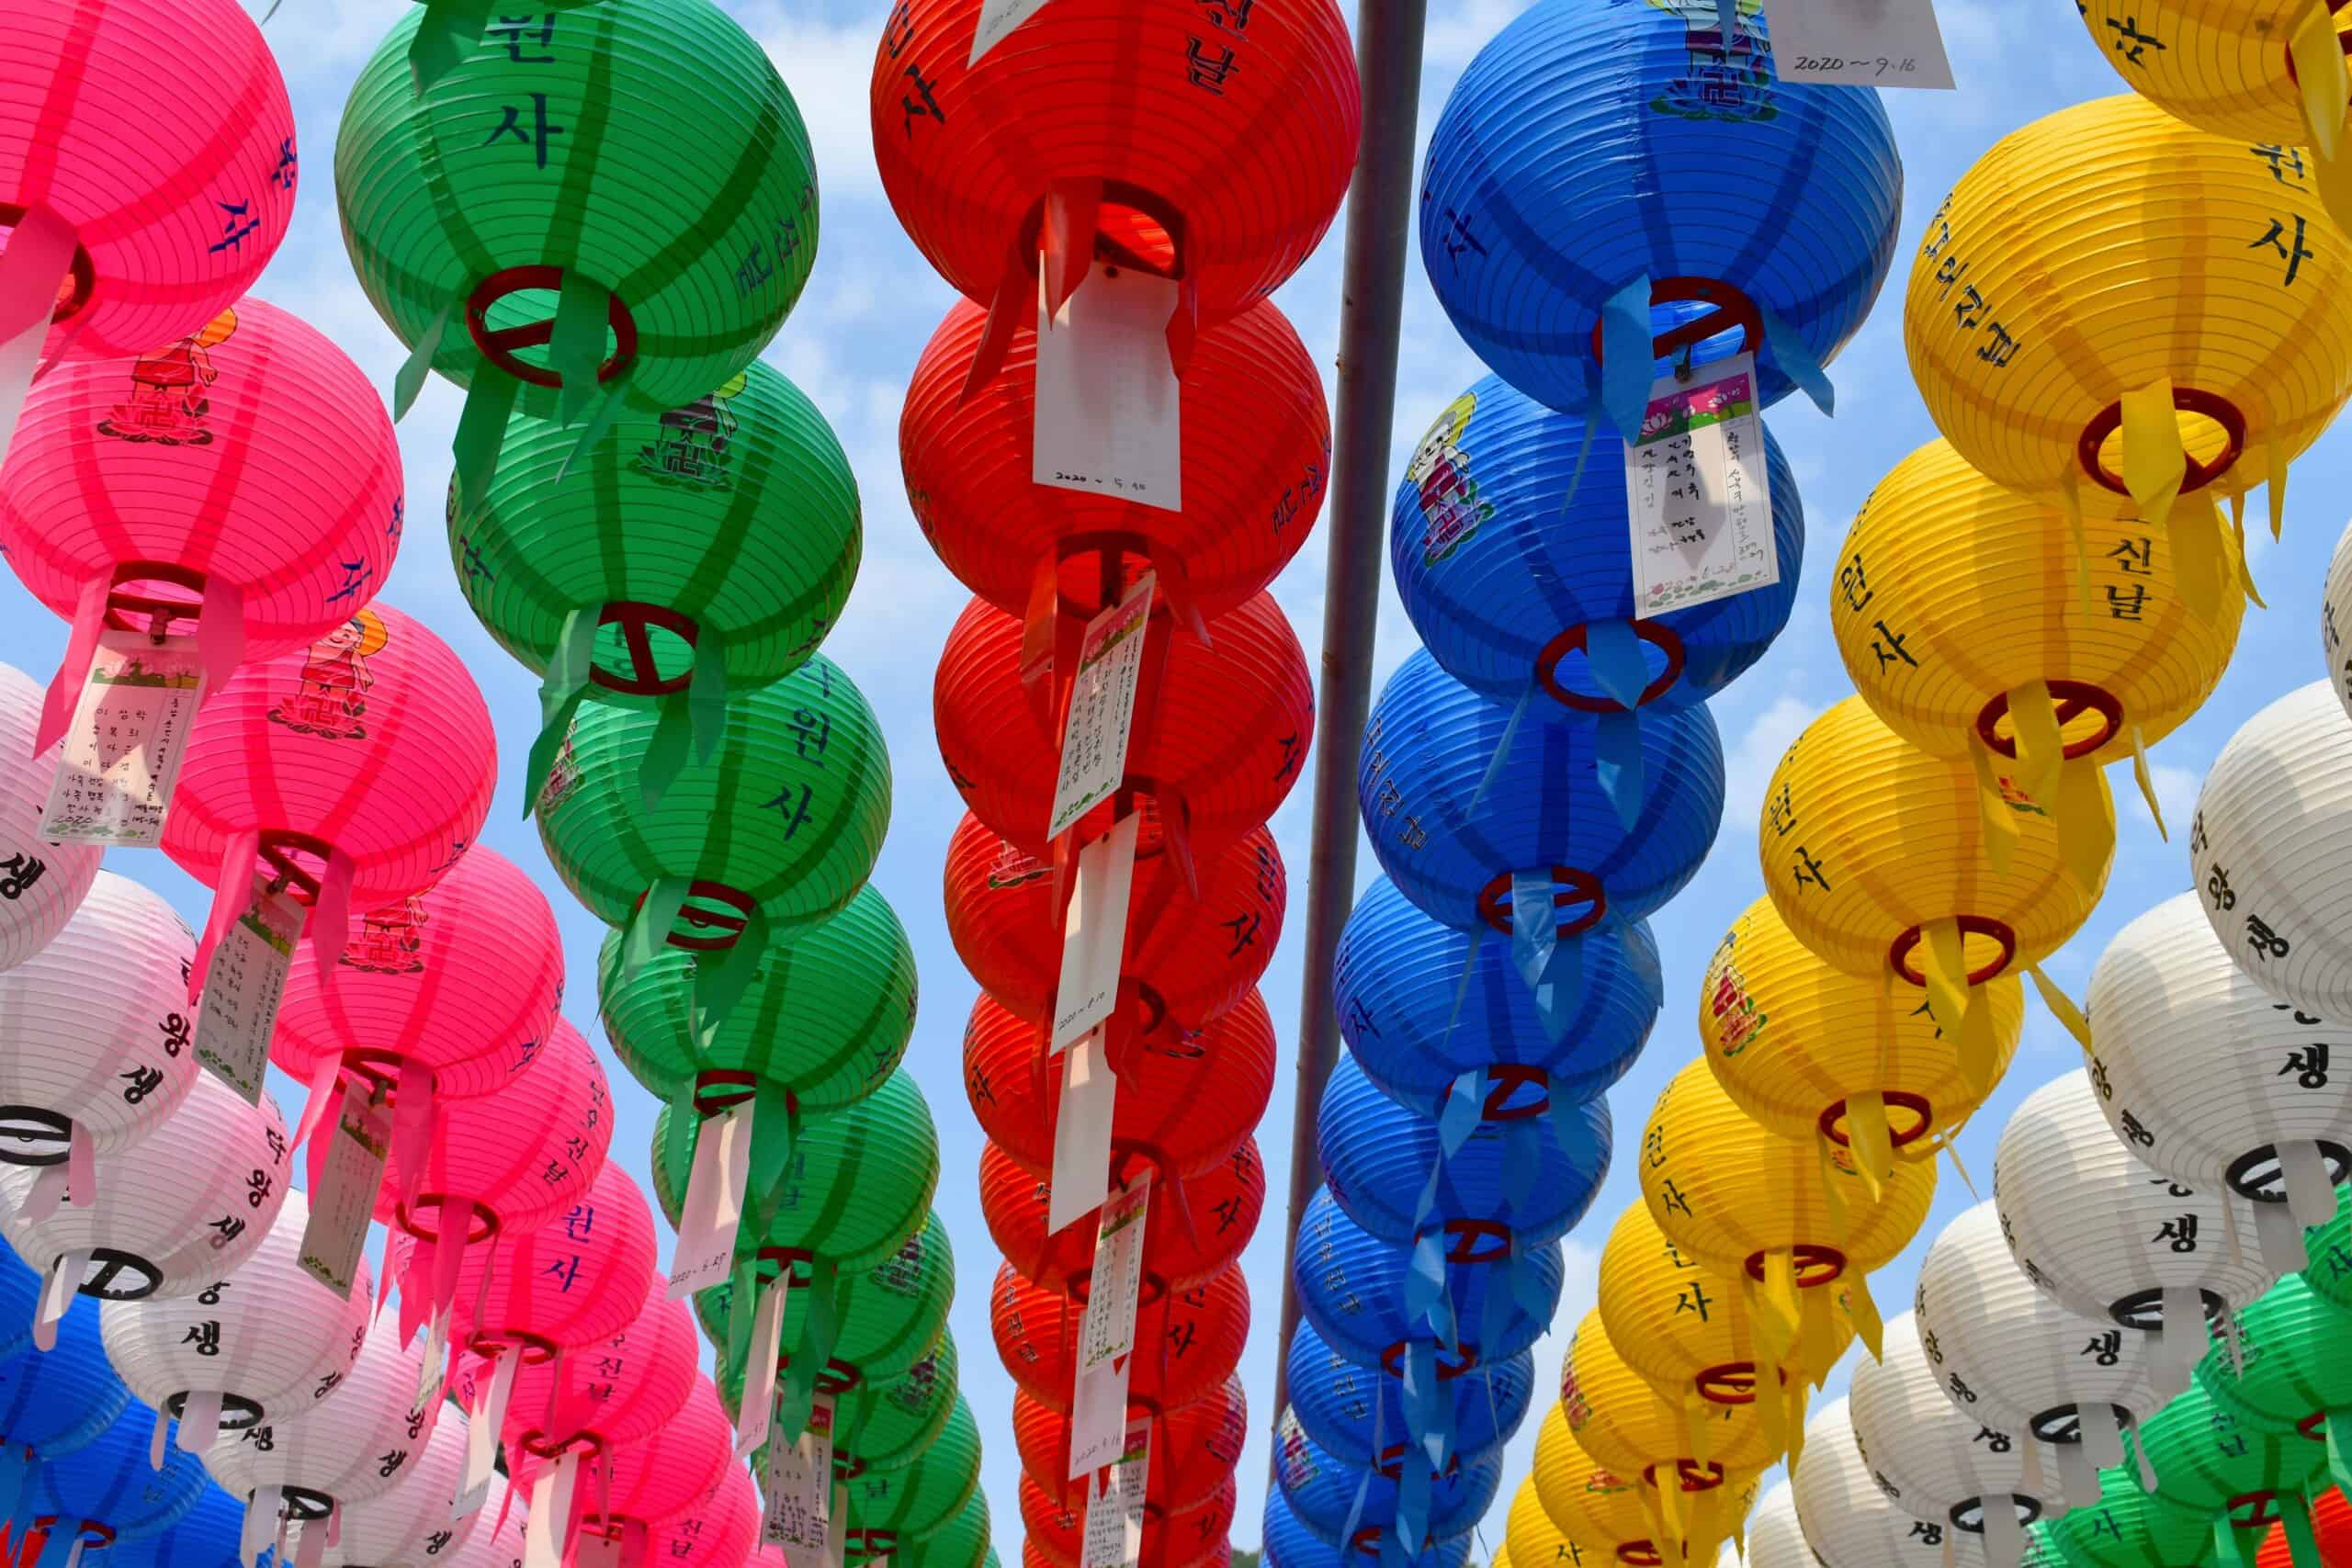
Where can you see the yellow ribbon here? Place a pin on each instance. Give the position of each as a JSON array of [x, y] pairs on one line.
[[1771, 1410], [1694, 1423], [1773, 1310], [2274, 451], [2086, 817], [2244, 567], [2061, 1007], [1867, 1326], [2154, 461], [2146, 781], [1943, 960], [1873, 1143], [2319, 71], [2042, 745], [1992, 807]]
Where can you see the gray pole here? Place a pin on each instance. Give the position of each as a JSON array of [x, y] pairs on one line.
[[1380, 216]]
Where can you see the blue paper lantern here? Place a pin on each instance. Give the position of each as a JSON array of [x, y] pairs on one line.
[[20, 1295], [53, 1403], [1290, 1544], [207, 1536], [1509, 1183], [1509, 540], [107, 1488], [1365, 1298], [1461, 795], [1340, 1503], [1613, 170], [1344, 1407], [1416, 1028]]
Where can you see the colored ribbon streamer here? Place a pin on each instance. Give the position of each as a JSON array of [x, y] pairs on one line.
[[2318, 59], [1626, 360], [2146, 781], [722, 978], [446, 34], [38, 258], [74, 671], [648, 929], [576, 342], [2085, 813], [409, 379], [482, 433], [1426, 1300], [2062, 1006], [1797, 361], [561, 691]]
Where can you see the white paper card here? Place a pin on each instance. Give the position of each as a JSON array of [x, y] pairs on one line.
[[1113, 1536], [482, 1439], [1101, 708], [344, 1200], [1106, 1334], [1859, 43], [1081, 1173], [713, 1207], [1696, 496], [999, 18], [1107, 397], [128, 737], [800, 1513], [1094, 934], [243, 987], [433, 1373], [758, 1407]]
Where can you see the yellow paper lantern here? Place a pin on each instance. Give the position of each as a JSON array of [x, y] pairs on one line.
[[1593, 1511], [2234, 67], [1685, 1329], [1784, 1220], [1959, 612], [1815, 1054], [1692, 1504], [1879, 856], [2114, 310]]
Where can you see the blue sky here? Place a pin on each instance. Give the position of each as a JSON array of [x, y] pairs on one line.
[[852, 343]]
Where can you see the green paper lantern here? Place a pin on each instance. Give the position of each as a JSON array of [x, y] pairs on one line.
[[2126, 1529], [598, 203], [2293, 1371], [703, 549], [827, 1015], [886, 1425], [888, 1316], [963, 1544], [2215, 1464], [2329, 1249], [891, 1510]]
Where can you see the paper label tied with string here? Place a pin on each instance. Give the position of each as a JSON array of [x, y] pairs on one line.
[[757, 1409], [798, 1485], [243, 987], [999, 18], [488, 1416], [1106, 1334], [1107, 395], [1114, 1503], [1859, 43], [714, 1206], [344, 1200], [1697, 498], [127, 741], [1094, 934], [1101, 708]]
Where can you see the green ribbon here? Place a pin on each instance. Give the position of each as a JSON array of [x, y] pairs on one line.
[[722, 978], [706, 693], [576, 342], [409, 379], [444, 36], [560, 693], [2302, 1546], [665, 754], [608, 410], [796, 1390], [2338, 1423], [649, 929], [482, 431], [2225, 1544], [774, 1125]]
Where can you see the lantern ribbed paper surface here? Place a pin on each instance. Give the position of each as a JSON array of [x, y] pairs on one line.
[[2331, 1524], [268, 1339], [1574, 157], [1192, 1538], [110, 1490], [1288, 1544], [42, 883], [2211, 1463], [497, 1540], [1325, 1493], [2271, 842], [1352, 1288], [2224, 67], [204, 1537], [1623, 1423], [651, 1480], [891, 1314], [465, 221], [402, 1525], [778, 828], [2124, 1527], [718, 1532], [621, 1390], [1345, 1408], [1256, 456], [1588, 1506], [962, 1543], [1453, 848], [2336, 618], [1847, 1520], [846, 984], [20, 1288], [1938, 1463], [1776, 1536], [908, 1505], [2290, 1372], [2109, 249], [54, 1402], [1397, 974], [1223, 1203], [463, 978], [355, 1444], [173, 1213], [1501, 576], [882, 1425], [1188, 1344], [1221, 733], [1186, 1105], [176, 212], [1227, 137], [110, 1063]]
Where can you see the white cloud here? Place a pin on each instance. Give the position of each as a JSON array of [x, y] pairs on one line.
[[1749, 763], [2175, 791], [829, 66]]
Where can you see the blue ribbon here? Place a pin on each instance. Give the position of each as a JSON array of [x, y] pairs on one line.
[[1362, 1500], [1627, 359], [1502, 746], [1494, 1314], [1459, 1116], [1462, 987], [1412, 1525], [1428, 1413], [1796, 360], [1534, 926], [1425, 1298], [1527, 1286], [1614, 653], [1522, 1160]]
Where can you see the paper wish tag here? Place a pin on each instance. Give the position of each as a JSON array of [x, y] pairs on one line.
[[1859, 43], [999, 18], [345, 1200], [243, 987], [1114, 1505], [757, 1407], [1081, 1170], [1696, 496], [713, 1207], [1106, 1334], [1094, 932], [797, 1489], [1107, 396], [127, 741], [1101, 708]]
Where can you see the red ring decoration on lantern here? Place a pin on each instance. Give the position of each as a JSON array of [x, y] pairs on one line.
[[1690, 1475], [81, 272], [723, 1089], [644, 678], [1729, 1383], [2073, 699], [481, 1224], [1833, 1118], [1466, 1234], [1640, 1554], [1815, 1266], [1503, 1079], [1898, 951], [2196, 475], [498, 346], [1029, 247], [587, 1443], [1662, 638], [704, 919], [534, 1351], [2343, 40], [278, 849], [2262, 1510], [137, 611], [2314, 1425], [1391, 1360], [1732, 308], [1577, 888]]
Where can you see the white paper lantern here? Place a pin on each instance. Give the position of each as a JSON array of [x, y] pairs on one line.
[[1849, 1523], [497, 1539], [2271, 849], [183, 1207], [2216, 1083], [1775, 1540], [2335, 619], [96, 1029], [1936, 1463], [409, 1525], [2011, 1355], [42, 883], [2114, 1240], [261, 1345], [353, 1444]]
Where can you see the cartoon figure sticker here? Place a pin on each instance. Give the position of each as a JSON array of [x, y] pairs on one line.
[[563, 776], [1738, 1023], [168, 391], [1448, 496], [689, 444], [330, 695], [390, 940]]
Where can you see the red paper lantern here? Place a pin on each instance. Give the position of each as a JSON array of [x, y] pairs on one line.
[[2330, 1521], [1187, 1537], [1221, 731], [1211, 144], [1188, 959], [607, 1395], [1184, 1104], [1193, 1450], [644, 1483], [1256, 456], [1188, 1343], [1192, 1230]]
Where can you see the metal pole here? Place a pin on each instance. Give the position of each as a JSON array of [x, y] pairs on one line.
[[1380, 214]]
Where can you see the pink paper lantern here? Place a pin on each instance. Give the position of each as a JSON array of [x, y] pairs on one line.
[[147, 173], [240, 480], [357, 771], [718, 1532], [637, 1487], [607, 1395]]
